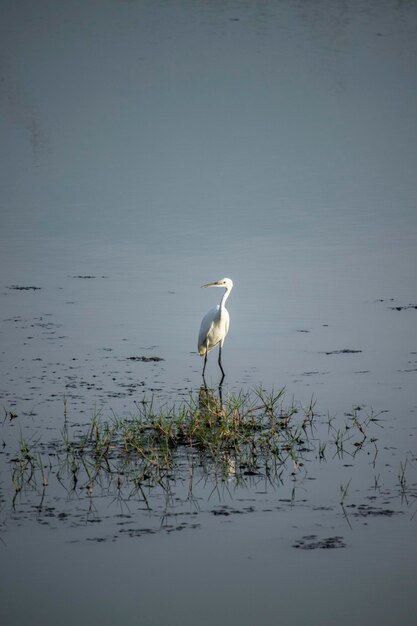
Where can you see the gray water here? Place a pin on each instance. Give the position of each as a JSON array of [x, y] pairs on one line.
[[148, 148]]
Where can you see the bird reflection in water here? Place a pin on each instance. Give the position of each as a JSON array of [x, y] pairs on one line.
[[212, 411], [210, 403]]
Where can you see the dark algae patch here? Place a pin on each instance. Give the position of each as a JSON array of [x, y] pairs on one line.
[[24, 288], [88, 276], [398, 307], [363, 510], [311, 542], [344, 351], [145, 359], [403, 308], [225, 511]]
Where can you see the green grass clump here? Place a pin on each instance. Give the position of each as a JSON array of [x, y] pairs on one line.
[[244, 434], [245, 423]]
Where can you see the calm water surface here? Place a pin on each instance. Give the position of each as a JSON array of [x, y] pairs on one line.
[[148, 148]]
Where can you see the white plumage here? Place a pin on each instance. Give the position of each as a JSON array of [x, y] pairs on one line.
[[215, 324]]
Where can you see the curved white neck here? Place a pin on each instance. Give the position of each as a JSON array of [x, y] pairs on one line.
[[225, 296]]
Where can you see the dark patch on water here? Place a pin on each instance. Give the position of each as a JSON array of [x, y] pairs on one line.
[[169, 529], [24, 288], [314, 373], [88, 277], [344, 351], [311, 542], [138, 532], [403, 308], [364, 510], [145, 359], [227, 510]]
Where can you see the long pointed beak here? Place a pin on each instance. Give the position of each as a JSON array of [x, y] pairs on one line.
[[215, 284]]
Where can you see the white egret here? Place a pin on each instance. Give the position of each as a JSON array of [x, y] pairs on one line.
[[215, 324]]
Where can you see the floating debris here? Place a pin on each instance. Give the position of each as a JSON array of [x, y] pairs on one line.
[[145, 359], [88, 276], [363, 510], [24, 288], [310, 542], [344, 351], [403, 308], [227, 510]]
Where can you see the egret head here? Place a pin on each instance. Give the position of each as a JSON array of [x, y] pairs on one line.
[[226, 283]]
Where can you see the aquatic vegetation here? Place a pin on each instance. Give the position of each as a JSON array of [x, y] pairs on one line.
[[222, 439]]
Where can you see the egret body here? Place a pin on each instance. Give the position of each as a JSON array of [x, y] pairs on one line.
[[215, 324]]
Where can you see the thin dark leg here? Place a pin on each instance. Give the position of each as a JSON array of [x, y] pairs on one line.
[[220, 364], [205, 362], [221, 393]]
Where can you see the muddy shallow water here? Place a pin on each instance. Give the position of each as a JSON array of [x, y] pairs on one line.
[[149, 149]]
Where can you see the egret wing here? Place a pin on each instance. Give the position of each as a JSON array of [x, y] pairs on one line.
[[210, 332]]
